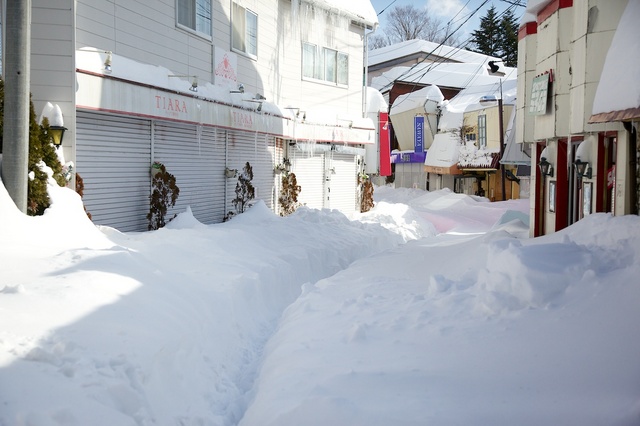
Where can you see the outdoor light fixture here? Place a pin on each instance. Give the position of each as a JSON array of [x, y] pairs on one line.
[[493, 66], [240, 89], [583, 169], [194, 84], [57, 133], [230, 173], [108, 61], [194, 81], [545, 167]]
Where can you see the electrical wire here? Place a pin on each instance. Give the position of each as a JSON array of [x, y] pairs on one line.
[[436, 48]]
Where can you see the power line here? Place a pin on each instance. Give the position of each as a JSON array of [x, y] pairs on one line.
[[387, 7], [438, 46]]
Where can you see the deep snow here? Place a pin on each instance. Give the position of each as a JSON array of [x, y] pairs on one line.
[[434, 308]]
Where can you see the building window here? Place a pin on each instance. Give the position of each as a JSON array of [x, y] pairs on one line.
[[482, 131], [195, 15], [310, 61], [325, 64], [343, 68], [244, 30]]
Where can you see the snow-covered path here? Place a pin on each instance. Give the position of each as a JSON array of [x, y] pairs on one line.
[[434, 307], [121, 331]]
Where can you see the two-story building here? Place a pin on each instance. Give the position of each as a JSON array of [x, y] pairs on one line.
[[580, 164], [205, 86]]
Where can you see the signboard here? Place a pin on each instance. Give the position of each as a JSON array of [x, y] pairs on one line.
[[418, 133], [226, 64], [384, 144], [539, 95]]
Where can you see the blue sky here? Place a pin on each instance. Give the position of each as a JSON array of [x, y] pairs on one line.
[[455, 11]]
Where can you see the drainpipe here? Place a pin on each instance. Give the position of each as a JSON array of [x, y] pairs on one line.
[[17, 66], [632, 171]]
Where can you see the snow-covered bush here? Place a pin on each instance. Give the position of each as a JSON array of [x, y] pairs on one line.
[[288, 198], [164, 195], [366, 193], [80, 191], [43, 161], [245, 192]]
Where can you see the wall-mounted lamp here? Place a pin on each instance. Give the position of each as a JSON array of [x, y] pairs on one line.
[[260, 97], [230, 173], [546, 168], [194, 81], [57, 133], [108, 61], [240, 89], [583, 169]]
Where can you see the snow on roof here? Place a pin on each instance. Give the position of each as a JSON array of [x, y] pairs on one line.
[[619, 88], [445, 74], [468, 99], [409, 47], [531, 12], [375, 101], [444, 150], [418, 99], [93, 60], [361, 10]]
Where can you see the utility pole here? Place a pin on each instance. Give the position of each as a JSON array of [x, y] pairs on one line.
[[17, 70], [501, 124]]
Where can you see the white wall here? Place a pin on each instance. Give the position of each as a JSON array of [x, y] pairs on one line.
[[146, 31]]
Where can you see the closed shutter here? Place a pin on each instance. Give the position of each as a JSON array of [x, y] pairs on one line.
[[310, 174], [343, 181], [260, 152], [195, 156], [113, 157]]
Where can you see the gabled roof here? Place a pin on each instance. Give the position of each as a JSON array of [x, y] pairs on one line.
[[437, 52], [453, 75]]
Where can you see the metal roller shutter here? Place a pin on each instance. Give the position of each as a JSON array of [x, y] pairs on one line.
[[195, 156], [113, 156], [310, 174], [260, 152], [342, 183]]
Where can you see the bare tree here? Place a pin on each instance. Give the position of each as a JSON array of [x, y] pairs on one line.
[[376, 41], [409, 23]]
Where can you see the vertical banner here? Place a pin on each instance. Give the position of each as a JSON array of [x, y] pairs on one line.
[[418, 133], [384, 144]]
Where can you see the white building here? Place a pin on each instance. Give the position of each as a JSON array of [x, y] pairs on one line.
[[205, 86], [584, 153]]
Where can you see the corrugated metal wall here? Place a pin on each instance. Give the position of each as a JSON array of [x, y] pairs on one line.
[[195, 156], [342, 186], [310, 174], [113, 156], [260, 151]]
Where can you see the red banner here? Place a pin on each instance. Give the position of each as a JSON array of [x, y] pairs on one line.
[[385, 144]]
